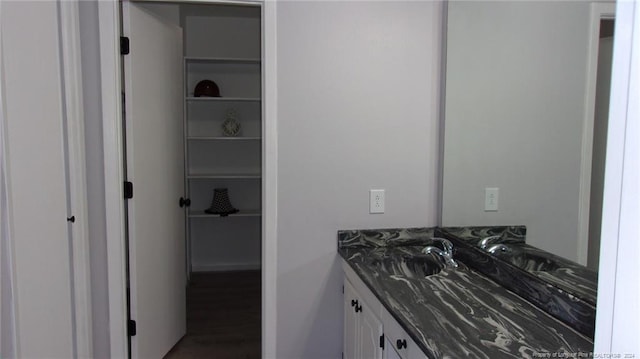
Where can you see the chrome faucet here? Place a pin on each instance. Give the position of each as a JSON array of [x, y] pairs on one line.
[[484, 243], [446, 252], [498, 247]]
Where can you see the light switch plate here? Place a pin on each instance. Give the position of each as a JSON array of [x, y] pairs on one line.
[[491, 199], [376, 201]]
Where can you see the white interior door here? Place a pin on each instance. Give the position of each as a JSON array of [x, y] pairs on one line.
[[36, 291], [153, 87]]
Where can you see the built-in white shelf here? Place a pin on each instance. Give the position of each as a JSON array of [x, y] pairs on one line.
[[221, 138], [226, 50], [223, 99], [225, 176], [241, 213], [222, 60]]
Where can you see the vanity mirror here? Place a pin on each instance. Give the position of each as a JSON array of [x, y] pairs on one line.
[[526, 103]]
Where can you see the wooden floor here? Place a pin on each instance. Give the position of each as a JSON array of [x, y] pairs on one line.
[[223, 317]]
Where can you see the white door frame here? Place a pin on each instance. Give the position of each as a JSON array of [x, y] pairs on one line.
[[110, 79], [109, 26], [618, 315], [269, 179], [598, 12], [77, 174]]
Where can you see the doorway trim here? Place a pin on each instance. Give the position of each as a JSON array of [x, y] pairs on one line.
[[110, 79], [70, 58], [109, 28], [269, 180], [617, 324], [599, 11]]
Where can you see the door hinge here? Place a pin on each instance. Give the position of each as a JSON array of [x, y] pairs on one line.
[[128, 190], [382, 341], [124, 45], [132, 328]]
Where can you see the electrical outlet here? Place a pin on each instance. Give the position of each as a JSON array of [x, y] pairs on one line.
[[376, 201], [491, 199]]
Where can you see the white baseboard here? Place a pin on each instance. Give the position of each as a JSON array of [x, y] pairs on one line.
[[225, 267]]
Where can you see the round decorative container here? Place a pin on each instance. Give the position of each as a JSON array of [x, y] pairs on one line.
[[231, 126]]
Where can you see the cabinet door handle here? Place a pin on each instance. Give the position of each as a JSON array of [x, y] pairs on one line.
[[354, 302], [401, 343], [358, 308]]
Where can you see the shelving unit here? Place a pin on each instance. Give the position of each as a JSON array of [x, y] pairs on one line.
[[218, 138], [224, 99], [247, 213], [221, 60], [214, 176], [213, 160]]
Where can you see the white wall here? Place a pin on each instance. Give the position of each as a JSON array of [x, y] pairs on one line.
[[516, 82], [357, 109], [221, 31]]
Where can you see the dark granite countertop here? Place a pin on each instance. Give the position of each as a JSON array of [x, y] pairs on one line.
[[565, 274], [457, 312], [562, 288]]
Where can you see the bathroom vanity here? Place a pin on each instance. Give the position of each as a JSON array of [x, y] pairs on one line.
[[402, 303]]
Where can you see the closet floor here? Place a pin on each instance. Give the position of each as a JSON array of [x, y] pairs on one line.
[[223, 317]]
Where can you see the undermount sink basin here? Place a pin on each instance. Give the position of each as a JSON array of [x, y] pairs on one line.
[[419, 266], [531, 262]]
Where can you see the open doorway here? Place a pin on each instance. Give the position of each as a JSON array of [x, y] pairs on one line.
[[193, 148], [223, 316]]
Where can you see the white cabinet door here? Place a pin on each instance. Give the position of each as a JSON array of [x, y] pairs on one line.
[[400, 341], [365, 322], [370, 333], [389, 350], [155, 157], [351, 334], [362, 328]]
